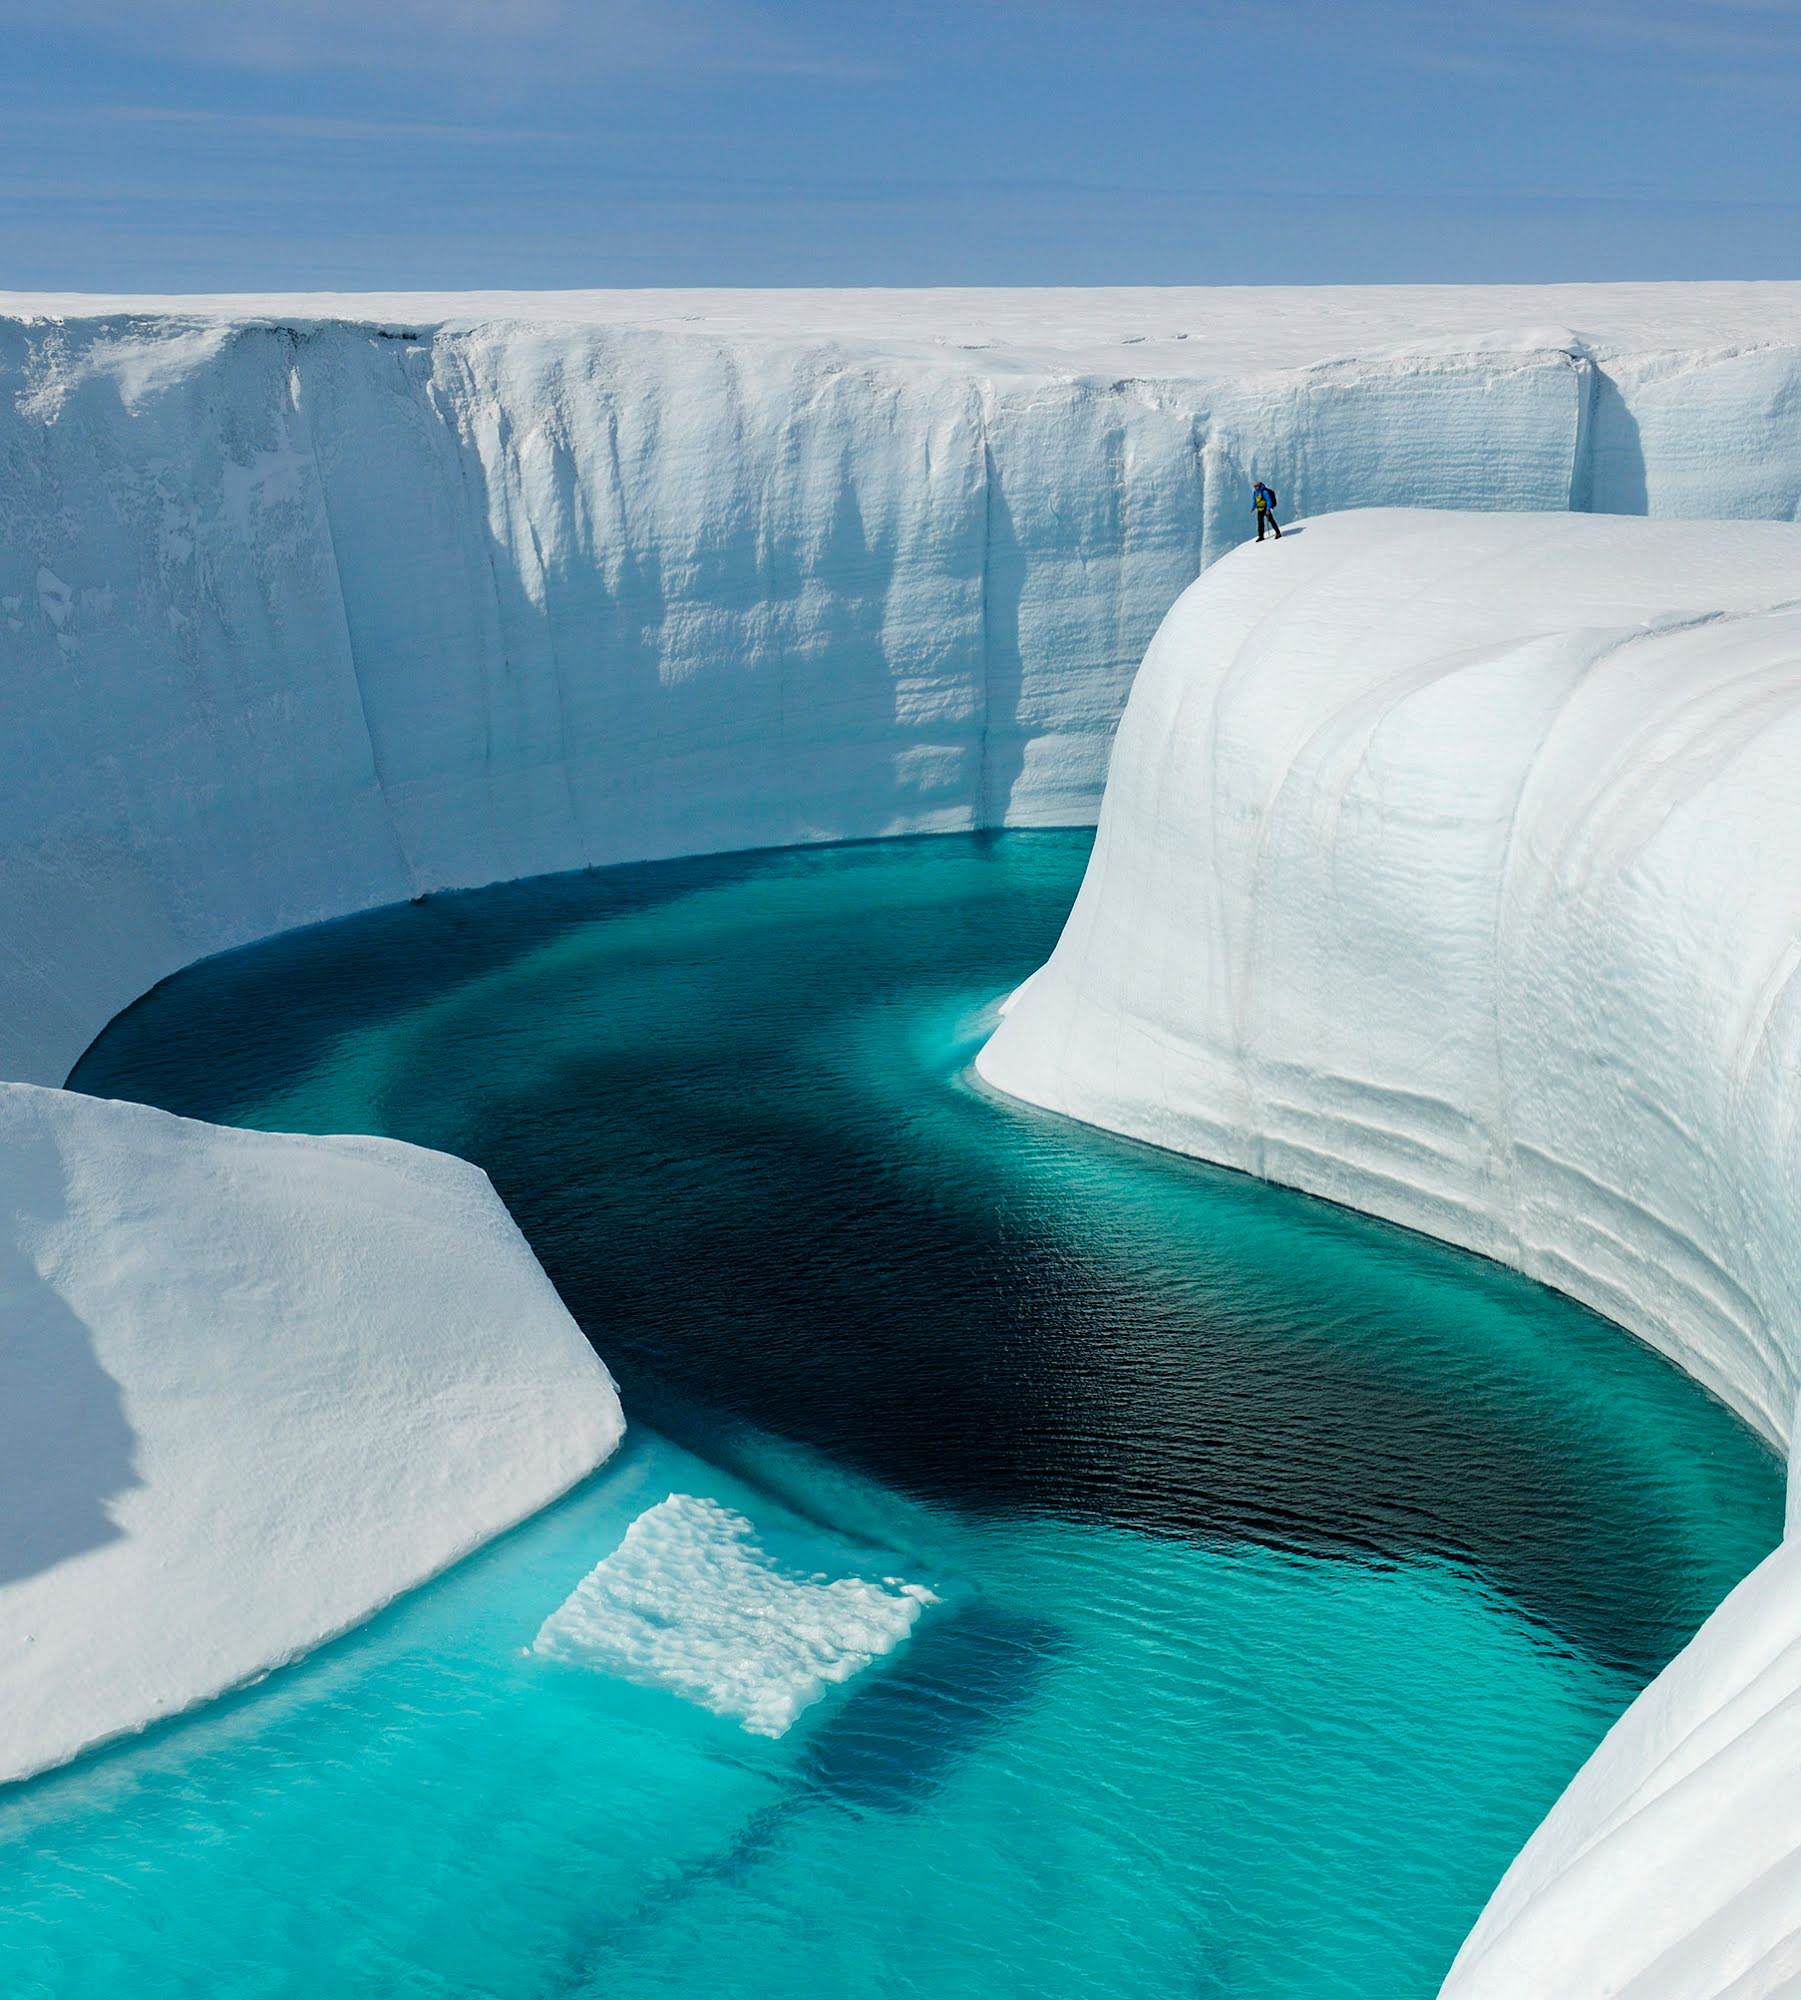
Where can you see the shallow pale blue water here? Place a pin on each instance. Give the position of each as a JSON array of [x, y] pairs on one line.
[[1288, 1564]]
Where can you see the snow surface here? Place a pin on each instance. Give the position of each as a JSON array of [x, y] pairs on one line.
[[251, 1387], [1450, 867], [692, 1601], [309, 605]]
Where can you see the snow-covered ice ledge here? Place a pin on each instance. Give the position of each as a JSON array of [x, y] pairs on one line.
[[1450, 867]]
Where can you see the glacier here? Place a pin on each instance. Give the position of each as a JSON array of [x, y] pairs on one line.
[[309, 605], [312, 605], [1448, 869]]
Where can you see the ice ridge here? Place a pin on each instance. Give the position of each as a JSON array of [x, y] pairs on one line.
[[254, 1386]]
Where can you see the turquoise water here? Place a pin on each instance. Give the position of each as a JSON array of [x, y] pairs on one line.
[[1288, 1565]]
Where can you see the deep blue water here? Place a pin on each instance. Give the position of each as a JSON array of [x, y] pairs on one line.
[[1289, 1564]]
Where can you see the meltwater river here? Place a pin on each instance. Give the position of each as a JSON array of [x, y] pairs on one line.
[[1287, 1564]]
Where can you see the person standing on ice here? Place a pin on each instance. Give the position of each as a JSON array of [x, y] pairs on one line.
[[1263, 499]]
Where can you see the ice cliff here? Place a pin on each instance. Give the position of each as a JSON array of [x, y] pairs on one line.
[[312, 605], [1449, 868]]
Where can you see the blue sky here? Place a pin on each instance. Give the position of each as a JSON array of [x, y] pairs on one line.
[[196, 144]]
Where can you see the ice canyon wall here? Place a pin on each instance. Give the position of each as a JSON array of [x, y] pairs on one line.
[[309, 607], [252, 1386], [1450, 868]]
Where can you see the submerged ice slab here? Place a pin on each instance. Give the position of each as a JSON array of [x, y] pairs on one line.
[[251, 1387], [1448, 869], [691, 1601]]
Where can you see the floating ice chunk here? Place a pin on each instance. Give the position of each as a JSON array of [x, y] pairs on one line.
[[691, 1601]]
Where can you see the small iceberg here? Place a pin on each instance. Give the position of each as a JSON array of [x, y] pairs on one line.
[[691, 1601]]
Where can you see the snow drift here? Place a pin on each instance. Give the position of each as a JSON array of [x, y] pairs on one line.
[[1448, 868], [251, 1387]]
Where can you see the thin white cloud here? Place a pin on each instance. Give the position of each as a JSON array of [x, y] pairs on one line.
[[500, 39], [291, 125], [1726, 34], [1483, 36], [515, 44]]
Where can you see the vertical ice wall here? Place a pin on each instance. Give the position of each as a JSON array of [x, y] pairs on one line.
[[302, 613]]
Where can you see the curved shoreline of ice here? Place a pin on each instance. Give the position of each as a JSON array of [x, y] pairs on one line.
[[311, 605], [1447, 869]]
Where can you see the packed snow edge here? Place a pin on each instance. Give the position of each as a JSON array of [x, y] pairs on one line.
[[311, 605]]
